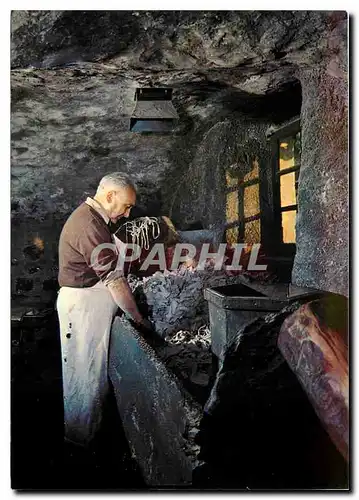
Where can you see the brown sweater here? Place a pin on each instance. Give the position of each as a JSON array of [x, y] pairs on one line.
[[83, 231]]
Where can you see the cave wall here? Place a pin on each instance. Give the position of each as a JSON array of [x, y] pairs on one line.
[[322, 257], [68, 129], [228, 136], [200, 195]]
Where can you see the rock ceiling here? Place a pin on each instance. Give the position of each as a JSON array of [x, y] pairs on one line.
[[254, 52]]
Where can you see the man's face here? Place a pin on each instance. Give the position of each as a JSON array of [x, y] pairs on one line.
[[120, 203]]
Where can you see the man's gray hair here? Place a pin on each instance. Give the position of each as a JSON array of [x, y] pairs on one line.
[[116, 180]]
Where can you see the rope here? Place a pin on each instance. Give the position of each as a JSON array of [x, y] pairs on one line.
[[139, 231], [201, 338]]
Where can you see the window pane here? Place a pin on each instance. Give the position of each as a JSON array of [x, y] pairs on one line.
[[252, 232], [232, 207], [254, 173], [286, 153], [251, 200], [232, 235], [287, 190], [288, 226]]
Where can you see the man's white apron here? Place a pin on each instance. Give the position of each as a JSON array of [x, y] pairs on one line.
[[85, 316]]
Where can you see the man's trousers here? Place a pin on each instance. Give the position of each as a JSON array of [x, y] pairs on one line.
[[85, 316]]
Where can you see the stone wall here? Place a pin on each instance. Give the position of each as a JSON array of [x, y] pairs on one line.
[[201, 188], [322, 258], [69, 128], [228, 134]]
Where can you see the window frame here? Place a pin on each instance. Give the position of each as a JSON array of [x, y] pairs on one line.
[[242, 219], [270, 209], [277, 245]]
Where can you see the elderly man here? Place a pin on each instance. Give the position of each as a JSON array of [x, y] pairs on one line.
[[91, 291]]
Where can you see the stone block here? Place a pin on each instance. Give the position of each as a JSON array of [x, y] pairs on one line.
[[158, 416], [314, 342]]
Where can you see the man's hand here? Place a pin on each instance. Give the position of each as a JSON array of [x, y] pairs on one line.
[[144, 327], [121, 293], [146, 323]]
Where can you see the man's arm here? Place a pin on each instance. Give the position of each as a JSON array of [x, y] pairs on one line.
[[122, 295], [105, 266]]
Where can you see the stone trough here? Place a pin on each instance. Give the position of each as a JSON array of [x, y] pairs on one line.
[[159, 416]]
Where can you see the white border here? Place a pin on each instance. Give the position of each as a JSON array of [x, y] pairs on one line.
[[350, 6]]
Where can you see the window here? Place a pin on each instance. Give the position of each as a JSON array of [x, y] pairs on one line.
[[287, 176], [262, 203], [286, 153], [243, 205]]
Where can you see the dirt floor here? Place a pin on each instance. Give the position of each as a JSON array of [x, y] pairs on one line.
[[39, 458]]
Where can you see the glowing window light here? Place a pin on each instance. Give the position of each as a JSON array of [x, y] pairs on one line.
[[232, 206], [288, 226], [252, 232], [232, 235], [254, 173], [251, 200], [287, 190]]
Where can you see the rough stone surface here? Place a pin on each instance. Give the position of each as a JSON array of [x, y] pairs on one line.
[[314, 342], [200, 192], [159, 419], [69, 128], [251, 42], [34, 255], [61, 147], [259, 428], [322, 258]]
